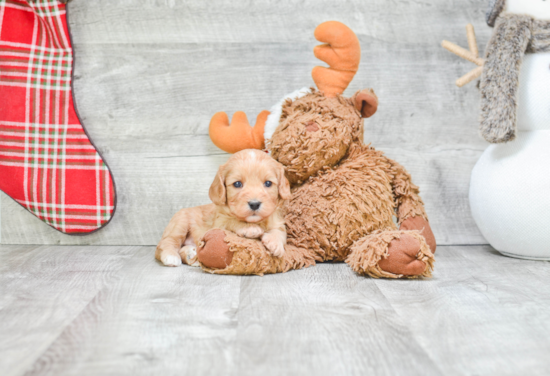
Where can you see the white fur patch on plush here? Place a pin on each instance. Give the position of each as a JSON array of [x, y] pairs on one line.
[[276, 111]]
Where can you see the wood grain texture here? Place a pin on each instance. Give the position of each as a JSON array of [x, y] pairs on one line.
[[493, 303], [74, 310], [150, 74], [43, 289], [324, 320]]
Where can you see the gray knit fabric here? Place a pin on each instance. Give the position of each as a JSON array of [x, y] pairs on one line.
[[493, 11], [513, 36], [540, 40]]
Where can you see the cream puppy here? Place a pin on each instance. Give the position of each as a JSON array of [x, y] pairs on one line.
[[248, 195]]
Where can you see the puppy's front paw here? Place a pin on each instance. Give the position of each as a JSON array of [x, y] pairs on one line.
[[170, 259], [188, 255], [273, 244], [251, 232]]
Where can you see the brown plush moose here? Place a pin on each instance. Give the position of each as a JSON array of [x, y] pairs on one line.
[[345, 194]]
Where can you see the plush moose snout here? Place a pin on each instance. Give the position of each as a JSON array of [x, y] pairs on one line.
[[312, 126]]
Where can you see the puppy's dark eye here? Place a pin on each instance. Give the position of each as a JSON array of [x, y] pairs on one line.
[[268, 184], [238, 184]]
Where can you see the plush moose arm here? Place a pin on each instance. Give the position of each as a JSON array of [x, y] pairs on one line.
[[409, 206]]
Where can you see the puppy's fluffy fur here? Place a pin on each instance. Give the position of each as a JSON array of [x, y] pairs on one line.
[[231, 208]]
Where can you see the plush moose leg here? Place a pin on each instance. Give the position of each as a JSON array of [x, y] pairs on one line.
[[423, 226], [392, 254], [223, 252], [410, 208]]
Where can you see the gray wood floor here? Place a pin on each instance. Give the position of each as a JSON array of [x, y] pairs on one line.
[[112, 310], [150, 74]]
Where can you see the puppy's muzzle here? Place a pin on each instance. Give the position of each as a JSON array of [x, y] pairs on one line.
[[254, 205]]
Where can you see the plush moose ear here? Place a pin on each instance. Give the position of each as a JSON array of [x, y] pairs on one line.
[[217, 190], [366, 102], [284, 185]]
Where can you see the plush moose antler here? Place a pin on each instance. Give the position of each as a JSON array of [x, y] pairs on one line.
[[341, 51], [239, 135], [472, 55]]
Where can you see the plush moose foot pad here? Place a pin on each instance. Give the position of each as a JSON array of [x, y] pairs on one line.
[[402, 257], [214, 253], [392, 254]]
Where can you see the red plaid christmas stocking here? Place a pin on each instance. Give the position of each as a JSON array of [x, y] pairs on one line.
[[47, 162]]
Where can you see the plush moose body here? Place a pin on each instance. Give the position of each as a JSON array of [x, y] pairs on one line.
[[345, 194]]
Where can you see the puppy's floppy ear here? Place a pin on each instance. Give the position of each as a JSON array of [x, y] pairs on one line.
[[284, 186], [366, 102], [217, 190]]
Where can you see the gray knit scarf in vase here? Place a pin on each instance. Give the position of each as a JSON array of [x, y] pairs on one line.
[[514, 35]]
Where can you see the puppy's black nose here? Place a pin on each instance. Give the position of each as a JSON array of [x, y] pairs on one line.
[[254, 205]]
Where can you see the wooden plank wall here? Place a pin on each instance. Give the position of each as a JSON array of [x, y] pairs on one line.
[[150, 74]]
